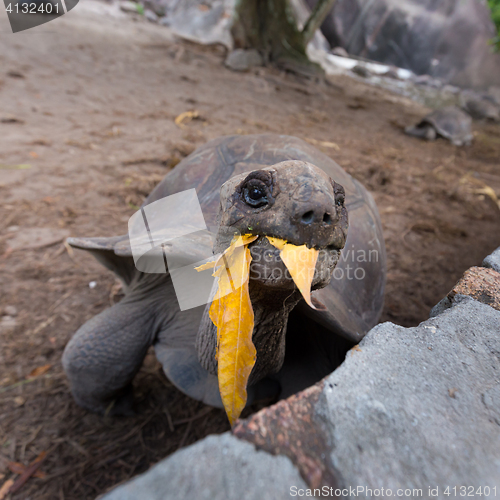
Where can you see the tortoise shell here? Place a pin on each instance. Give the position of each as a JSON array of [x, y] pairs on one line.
[[449, 122]]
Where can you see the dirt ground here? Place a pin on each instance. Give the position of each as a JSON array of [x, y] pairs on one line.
[[87, 109]]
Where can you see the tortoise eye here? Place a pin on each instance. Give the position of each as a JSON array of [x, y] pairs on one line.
[[255, 193], [340, 201]]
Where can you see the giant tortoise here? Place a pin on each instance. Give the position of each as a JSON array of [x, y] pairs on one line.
[[449, 122], [265, 186]]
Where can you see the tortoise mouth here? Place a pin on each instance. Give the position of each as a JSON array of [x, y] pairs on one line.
[[262, 240], [268, 269]]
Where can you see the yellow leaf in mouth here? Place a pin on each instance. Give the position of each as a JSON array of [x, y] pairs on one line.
[[232, 313], [204, 267], [236, 243], [300, 262], [276, 242]]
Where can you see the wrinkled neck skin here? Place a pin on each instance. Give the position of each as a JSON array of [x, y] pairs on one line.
[[271, 311]]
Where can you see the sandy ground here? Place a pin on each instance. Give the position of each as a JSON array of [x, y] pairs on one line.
[[87, 109]]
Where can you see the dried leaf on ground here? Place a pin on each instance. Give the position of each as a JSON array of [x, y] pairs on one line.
[[19, 468], [39, 370], [488, 191], [325, 144], [28, 472], [186, 117]]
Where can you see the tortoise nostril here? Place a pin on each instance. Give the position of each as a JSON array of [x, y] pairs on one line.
[[308, 217], [327, 218]]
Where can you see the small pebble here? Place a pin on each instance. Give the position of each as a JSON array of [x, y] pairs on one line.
[[361, 71], [243, 60], [10, 311], [19, 401], [128, 6], [7, 323], [150, 16], [340, 51], [92, 285]]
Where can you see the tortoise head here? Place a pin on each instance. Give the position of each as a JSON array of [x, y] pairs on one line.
[[294, 201]]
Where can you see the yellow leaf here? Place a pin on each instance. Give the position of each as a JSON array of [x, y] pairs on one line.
[[231, 311], [300, 262], [204, 267], [237, 242], [276, 242]]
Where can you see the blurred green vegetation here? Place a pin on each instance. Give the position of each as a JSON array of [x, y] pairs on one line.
[[495, 14]]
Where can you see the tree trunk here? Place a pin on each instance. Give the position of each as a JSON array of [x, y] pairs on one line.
[[270, 27]]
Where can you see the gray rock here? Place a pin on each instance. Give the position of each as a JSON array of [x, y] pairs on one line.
[[409, 409], [128, 6], [362, 71], [207, 22], [164, 21], [216, 468], [428, 80], [392, 72], [494, 93], [480, 106], [442, 305], [451, 89], [340, 51], [493, 260], [150, 16], [243, 60], [416, 407], [447, 39], [159, 7]]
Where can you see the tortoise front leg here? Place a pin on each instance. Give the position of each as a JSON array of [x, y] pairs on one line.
[[105, 354]]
